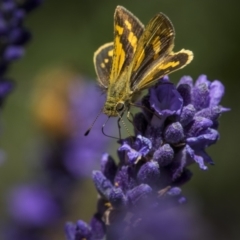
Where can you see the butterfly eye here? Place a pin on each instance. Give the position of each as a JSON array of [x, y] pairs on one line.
[[120, 106]]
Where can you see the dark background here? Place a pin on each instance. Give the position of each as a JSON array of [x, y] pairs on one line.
[[70, 31]]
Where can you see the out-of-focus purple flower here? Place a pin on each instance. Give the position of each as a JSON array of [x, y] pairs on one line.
[[81, 230], [6, 87], [33, 205], [173, 131], [13, 37], [66, 111], [64, 106], [142, 223]]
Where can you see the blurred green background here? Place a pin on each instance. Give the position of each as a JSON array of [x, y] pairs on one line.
[[70, 31]]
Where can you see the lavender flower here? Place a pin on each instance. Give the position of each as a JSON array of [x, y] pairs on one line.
[[173, 131]]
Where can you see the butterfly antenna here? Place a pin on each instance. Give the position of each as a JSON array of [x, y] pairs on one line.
[[103, 126], [89, 129]]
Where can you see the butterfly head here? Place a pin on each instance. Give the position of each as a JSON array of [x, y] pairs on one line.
[[114, 109]]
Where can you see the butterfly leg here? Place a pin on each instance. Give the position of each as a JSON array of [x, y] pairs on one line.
[[119, 127]]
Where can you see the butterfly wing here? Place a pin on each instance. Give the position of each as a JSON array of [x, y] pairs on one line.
[[127, 31], [154, 57], [162, 67], [103, 62], [156, 42]]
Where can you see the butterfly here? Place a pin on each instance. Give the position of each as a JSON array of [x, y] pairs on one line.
[[137, 58]]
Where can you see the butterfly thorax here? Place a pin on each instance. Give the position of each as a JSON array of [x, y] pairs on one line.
[[118, 97]]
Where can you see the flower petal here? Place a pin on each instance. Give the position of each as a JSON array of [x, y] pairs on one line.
[[125, 178], [184, 87], [102, 184], [204, 140], [186, 80], [197, 158], [187, 114], [117, 198], [138, 193], [174, 133], [149, 173], [201, 96], [108, 167], [165, 99], [202, 79], [217, 90], [164, 155], [199, 125], [97, 227]]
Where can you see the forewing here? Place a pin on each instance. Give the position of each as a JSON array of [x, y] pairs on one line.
[[127, 31], [162, 67], [103, 62], [156, 42]]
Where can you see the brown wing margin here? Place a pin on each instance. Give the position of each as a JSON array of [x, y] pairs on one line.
[[103, 62]]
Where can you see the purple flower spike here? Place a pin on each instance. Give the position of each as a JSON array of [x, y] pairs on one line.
[[13, 37], [180, 124]]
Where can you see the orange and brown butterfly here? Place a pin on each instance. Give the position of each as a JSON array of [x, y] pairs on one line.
[[137, 58]]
